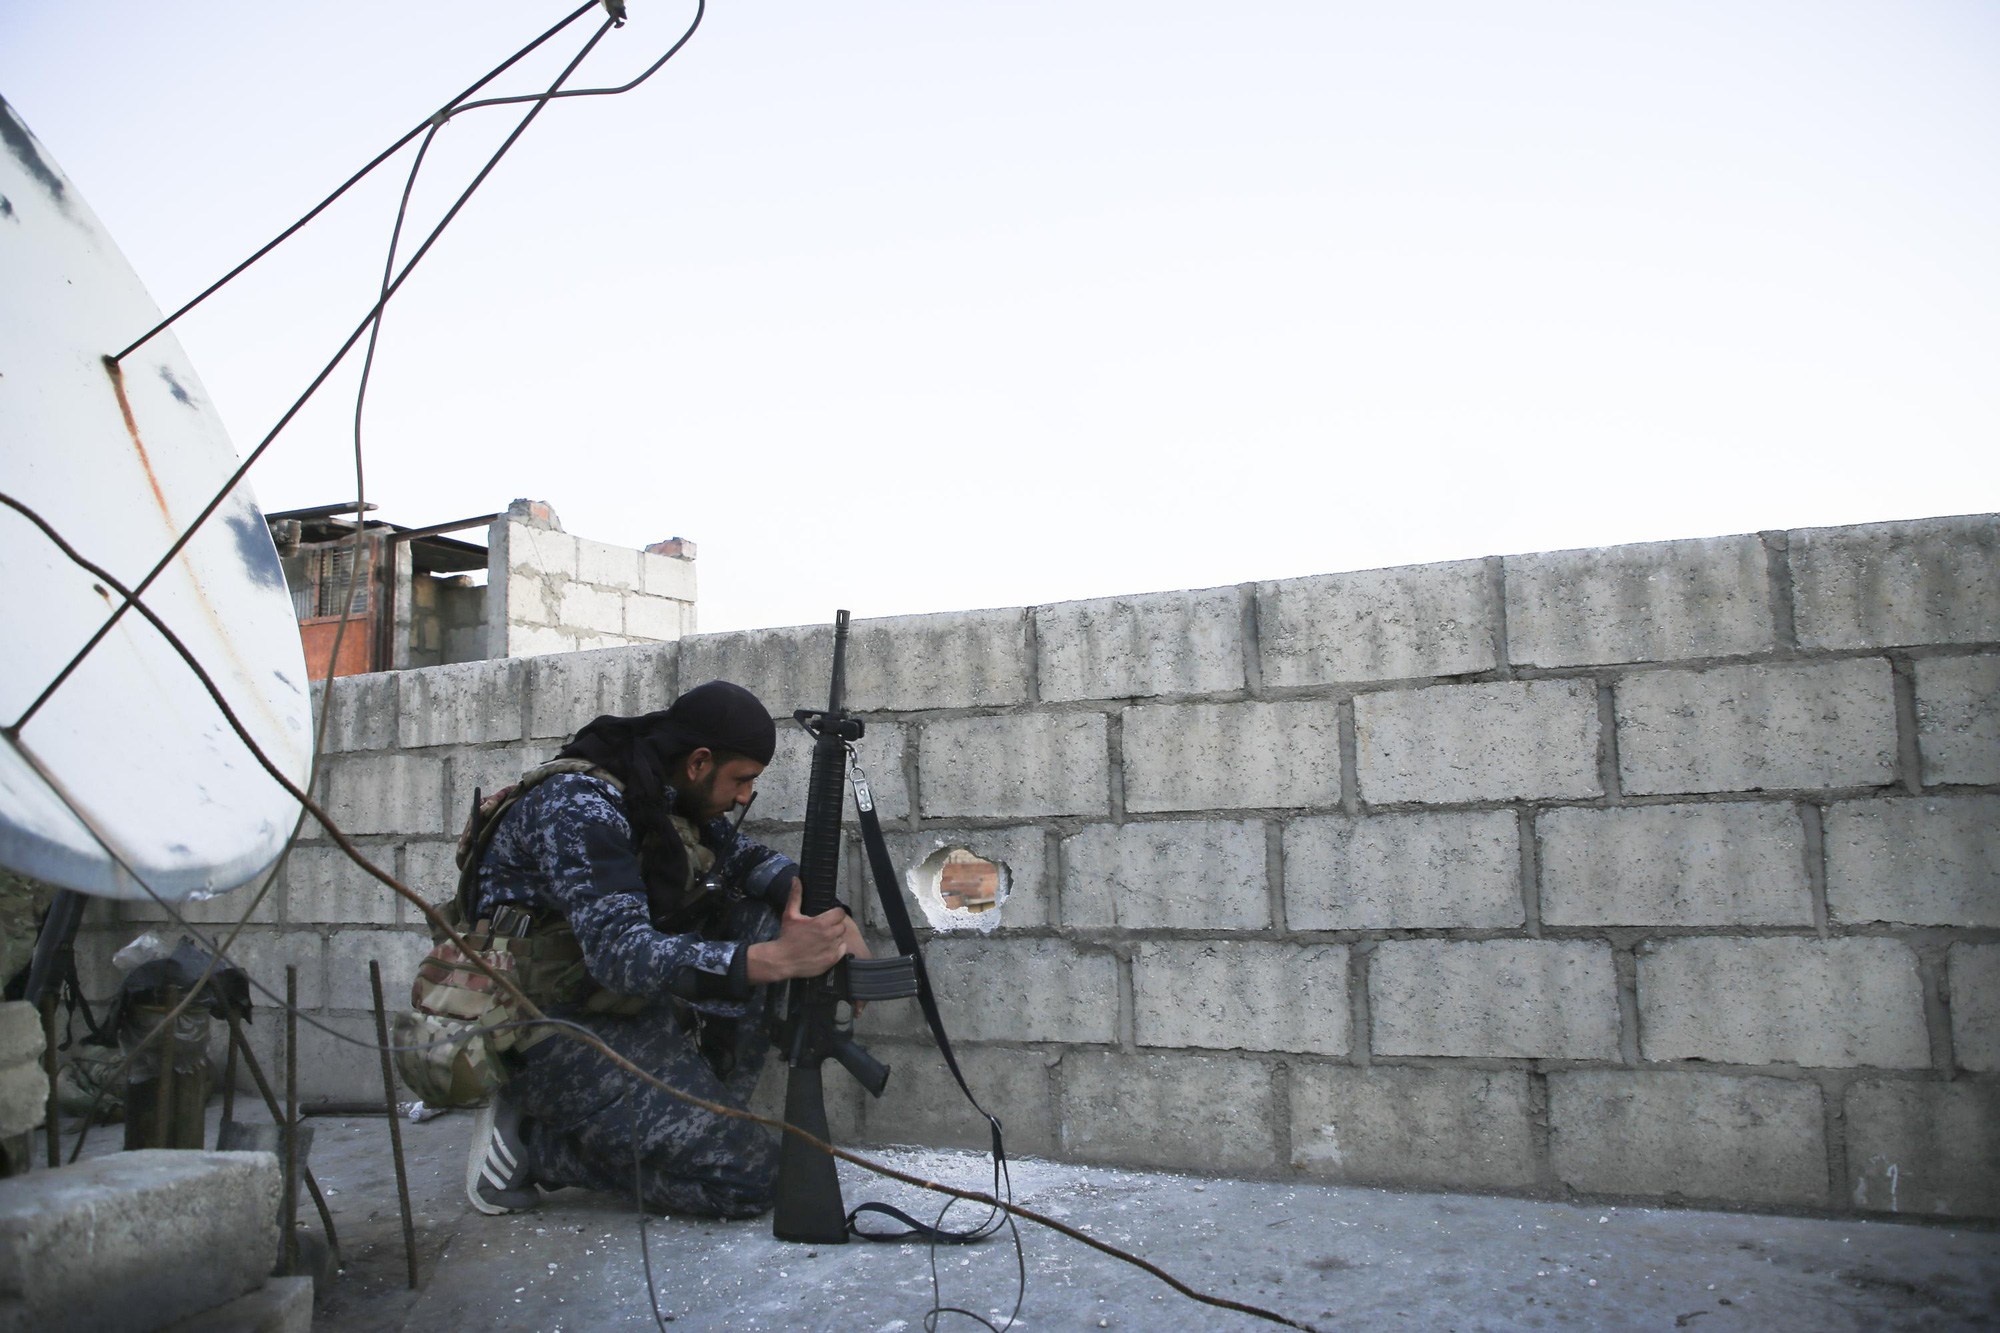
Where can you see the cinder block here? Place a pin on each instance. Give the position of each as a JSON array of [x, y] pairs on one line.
[[1123, 647], [1533, 739], [323, 884], [568, 691], [1674, 865], [781, 791], [1013, 990], [1922, 861], [652, 617], [348, 954], [964, 659], [1698, 1137], [486, 771], [131, 1241], [1647, 602], [1014, 766], [1975, 1006], [364, 711], [1181, 874], [24, 1100], [535, 641], [431, 869], [264, 955], [388, 793], [540, 550], [1027, 880], [584, 609], [1934, 580], [1403, 872], [606, 565], [1429, 1128], [1232, 756], [666, 576], [20, 1033], [1187, 1112], [1926, 1149], [785, 668], [531, 599], [924, 1105], [1758, 728], [1819, 1003], [1247, 996], [1958, 718], [281, 1305], [1376, 624], [465, 643], [1520, 999]]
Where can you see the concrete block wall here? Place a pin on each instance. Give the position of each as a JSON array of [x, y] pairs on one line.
[[1665, 872], [550, 592]]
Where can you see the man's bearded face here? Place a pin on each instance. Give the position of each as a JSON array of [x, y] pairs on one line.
[[712, 789]]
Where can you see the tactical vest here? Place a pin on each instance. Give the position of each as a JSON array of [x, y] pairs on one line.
[[460, 1015]]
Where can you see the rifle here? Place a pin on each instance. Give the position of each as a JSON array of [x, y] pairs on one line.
[[809, 1207]]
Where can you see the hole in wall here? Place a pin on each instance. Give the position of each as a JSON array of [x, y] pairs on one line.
[[959, 889]]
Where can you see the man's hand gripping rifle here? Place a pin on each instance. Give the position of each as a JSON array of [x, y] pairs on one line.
[[809, 1207]]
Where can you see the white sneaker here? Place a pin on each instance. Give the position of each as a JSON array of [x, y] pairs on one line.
[[496, 1168]]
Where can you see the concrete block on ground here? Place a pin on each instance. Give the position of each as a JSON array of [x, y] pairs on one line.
[[348, 953], [1250, 996], [24, 1100], [1123, 647], [1453, 1129], [923, 1104], [364, 711], [323, 884], [387, 793], [281, 1305], [466, 703], [1924, 1149], [1674, 865], [1015, 766], [1173, 874], [1187, 1112], [584, 609], [1514, 999], [1758, 728], [1504, 740], [265, 954], [1974, 983], [1403, 872], [1958, 718], [1933, 580], [20, 1033], [666, 576], [1027, 878], [1695, 1137], [1646, 602], [781, 791], [607, 565], [567, 691], [1013, 990], [1232, 756], [1376, 624], [1921, 861], [130, 1241], [1819, 1003]]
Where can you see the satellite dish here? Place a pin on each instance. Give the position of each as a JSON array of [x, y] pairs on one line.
[[119, 461]]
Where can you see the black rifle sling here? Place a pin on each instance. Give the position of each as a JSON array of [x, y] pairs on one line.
[[905, 935]]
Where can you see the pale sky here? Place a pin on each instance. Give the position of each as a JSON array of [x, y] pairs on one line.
[[911, 307]]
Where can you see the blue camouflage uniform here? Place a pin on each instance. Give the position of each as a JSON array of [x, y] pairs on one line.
[[567, 846]]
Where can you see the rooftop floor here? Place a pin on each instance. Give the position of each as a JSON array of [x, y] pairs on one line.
[[1336, 1257]]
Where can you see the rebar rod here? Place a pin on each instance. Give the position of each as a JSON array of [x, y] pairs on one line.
[[395, 1121]]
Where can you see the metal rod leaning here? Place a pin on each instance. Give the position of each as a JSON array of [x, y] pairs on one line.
[[289, 1208], [395, 1121], [238, 1041]]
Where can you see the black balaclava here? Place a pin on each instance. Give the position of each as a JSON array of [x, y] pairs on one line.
[[637, 751]]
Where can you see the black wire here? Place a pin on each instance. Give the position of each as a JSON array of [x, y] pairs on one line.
[[433, 119], [700, 8]]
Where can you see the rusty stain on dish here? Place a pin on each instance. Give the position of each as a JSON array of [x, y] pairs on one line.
[[117, 374]]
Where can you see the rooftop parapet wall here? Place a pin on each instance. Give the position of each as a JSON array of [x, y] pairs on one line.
[[1665, 871]]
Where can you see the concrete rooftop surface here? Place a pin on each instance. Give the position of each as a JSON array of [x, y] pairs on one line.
[[1337, 1257]]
